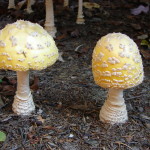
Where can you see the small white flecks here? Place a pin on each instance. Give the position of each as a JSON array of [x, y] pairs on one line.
[[113, 69], [113, 60], [44, 33], [98, 57], [35, 56], [21, 52], [34, 34], [48, 44], [129, 76], [39, 46], [119, 69], [128, 55], [51, 55], [106, 73], [121, 46], [121, 54], [117, 73], [9, 58], [99, 43], [19, 26], [13, 40], [118, 80], [126, 79], [21, 59], [104, 65], [2, 44], [136, 60], [109, 47], [9, 66], [105, 80], [4, 54], [18, 66], [29, 46]]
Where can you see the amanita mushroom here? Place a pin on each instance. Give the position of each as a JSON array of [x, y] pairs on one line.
[[24, 46], [116, 65]]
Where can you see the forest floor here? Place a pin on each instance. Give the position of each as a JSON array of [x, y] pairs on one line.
[[66, 98]]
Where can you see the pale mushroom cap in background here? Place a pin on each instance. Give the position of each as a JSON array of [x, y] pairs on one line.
[[117, 62], [25, 45]]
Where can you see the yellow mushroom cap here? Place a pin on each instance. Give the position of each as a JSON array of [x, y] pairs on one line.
[[116, 62], [25, 45]]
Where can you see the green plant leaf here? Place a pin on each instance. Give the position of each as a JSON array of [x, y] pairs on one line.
[[2, 136], [0, 80]]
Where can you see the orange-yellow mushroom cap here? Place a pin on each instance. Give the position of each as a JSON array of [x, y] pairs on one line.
[[25, 45], [116, 62]]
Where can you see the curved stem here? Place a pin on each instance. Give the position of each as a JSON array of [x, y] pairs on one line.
[[114, 109], [80, 17], [23, 102], [49, 20]]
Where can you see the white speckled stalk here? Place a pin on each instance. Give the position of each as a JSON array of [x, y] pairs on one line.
[[23, 103], [29, 6], [114, 109], [49, 20], [11, 4], [80, 17], [66, 3]]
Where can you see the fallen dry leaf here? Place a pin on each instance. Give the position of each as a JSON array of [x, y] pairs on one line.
[[39, 118], [35, 85], [145, 53]]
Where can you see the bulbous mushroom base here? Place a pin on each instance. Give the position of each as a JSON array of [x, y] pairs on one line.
[[114, 109], [29, 11], [113, 115], [23, 107], [80, 21], [51, 30]]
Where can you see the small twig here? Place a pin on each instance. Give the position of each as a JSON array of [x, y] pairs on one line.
[[76, 49], [120, 143]]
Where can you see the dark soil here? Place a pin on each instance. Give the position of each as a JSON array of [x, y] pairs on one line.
[[67, 99]]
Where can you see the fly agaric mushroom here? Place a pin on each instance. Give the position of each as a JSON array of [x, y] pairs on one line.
[[116, 65], [24, 46]]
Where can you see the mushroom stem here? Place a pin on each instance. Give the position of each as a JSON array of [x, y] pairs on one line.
[[66, 3], [29, 6], [23, 102], [80, 17], [11, 4], [49, 20], [114, 109]]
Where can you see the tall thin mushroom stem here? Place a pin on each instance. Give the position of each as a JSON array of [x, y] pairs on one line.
[[49, 20], [11, 4], [114, 109], [23, 102], [80, 17], [29, 6], [66, 3]]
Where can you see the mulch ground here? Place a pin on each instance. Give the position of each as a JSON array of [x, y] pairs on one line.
[[66, 98]]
